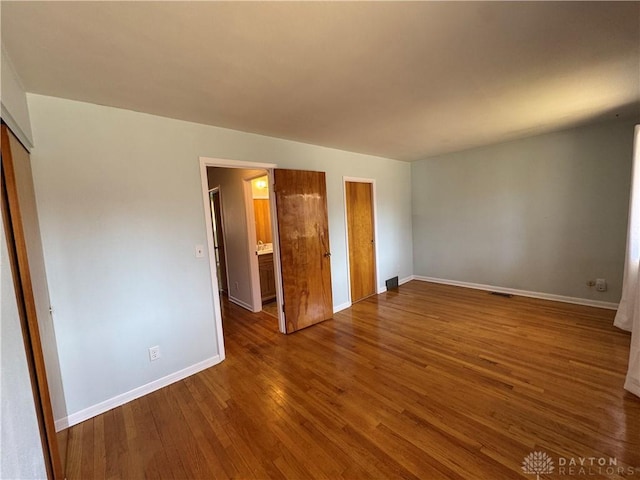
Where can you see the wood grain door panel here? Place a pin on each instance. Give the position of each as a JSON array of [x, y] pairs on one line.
[[20, 217], [361, 232], [267, 277], [303, 229], [262, 213], [218, 233]]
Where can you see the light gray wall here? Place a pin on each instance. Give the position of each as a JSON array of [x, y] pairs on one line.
[[13, 102], [120, 202], [20, 447], [543, 214], [234, 219]]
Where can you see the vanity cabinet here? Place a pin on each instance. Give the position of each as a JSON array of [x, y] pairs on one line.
[[267, 277]]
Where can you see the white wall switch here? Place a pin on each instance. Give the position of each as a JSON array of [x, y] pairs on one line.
[[199, 251], [601, 285]]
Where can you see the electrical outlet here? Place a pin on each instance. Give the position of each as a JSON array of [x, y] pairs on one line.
[[154, 353], [601, 285], [237, 286]]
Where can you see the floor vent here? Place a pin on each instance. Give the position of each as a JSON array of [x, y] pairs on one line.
[[501, 294], [392, 283]]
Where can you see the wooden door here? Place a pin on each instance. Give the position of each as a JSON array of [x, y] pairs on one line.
[[267, 277], [361, 231], [218, 241], [262, 213], [303, 230], [22, 229]]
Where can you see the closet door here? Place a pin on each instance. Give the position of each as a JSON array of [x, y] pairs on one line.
[[20, 218], [361, 235]]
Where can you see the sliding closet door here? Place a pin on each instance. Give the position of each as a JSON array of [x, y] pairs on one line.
[[20, 218]]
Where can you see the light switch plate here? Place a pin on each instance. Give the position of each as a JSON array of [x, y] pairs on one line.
[[199, 251]]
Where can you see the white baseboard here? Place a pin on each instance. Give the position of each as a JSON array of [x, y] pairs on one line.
[[342, 306], [523, 293], [383, 289], [632, 385], [138, 392], [404, 280], [240, 303]]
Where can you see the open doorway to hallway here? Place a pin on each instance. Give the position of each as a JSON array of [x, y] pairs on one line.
[[242, 237], [300, 237]]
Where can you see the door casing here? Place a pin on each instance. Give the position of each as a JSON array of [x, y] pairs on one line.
[[250, 214], [225, 163]]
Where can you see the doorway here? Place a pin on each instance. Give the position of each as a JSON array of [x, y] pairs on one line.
[[361, 236], [299, 233], [263, 240], [237, 218], [231, 180]]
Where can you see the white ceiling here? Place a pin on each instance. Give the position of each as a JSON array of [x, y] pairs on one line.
[[403, 80]]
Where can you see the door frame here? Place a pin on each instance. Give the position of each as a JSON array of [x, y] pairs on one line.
[[256, 292], [226, 163], [372, 181]]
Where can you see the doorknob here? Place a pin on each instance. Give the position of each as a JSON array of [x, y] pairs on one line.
[[327, 254]]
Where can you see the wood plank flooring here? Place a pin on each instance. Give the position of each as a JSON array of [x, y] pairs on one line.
[[429, 381]]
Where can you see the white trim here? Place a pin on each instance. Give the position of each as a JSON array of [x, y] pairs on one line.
[[215, 289], [269, 167], [223, 162], [137, 392], [379, 288], [240, 303], [275, 240], [5, 114], [523, 293], [14, 126], [401, 281], [342, 306], [254, 268], [404, 280], [632, 386]]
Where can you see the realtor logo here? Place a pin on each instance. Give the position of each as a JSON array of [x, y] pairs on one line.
[[537, 463]]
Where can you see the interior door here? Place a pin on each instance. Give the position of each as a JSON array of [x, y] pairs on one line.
[[361, 231], [218, 240], [303, 230], [23, 231]]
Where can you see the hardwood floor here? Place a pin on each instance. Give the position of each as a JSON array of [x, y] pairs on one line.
[[271, 308], [430, 381]]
